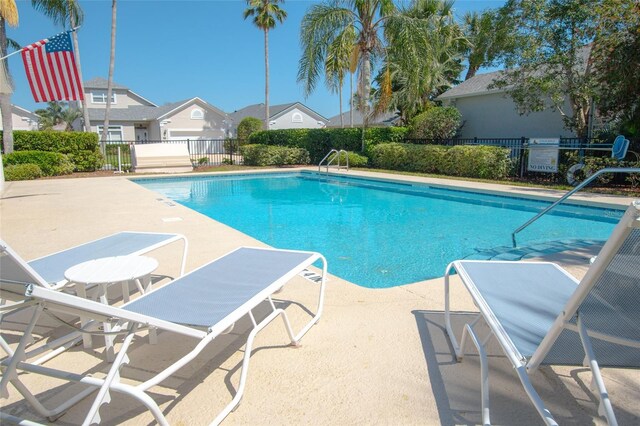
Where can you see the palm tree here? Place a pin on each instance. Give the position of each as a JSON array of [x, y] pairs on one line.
[[265, 14], [8, 15], [337, 64], [56, 114], [112, 60], [416, 72]]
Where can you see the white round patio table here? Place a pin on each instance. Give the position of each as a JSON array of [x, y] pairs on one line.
[[104, 272]]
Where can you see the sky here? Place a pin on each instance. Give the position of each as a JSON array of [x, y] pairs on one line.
[[171, 50]]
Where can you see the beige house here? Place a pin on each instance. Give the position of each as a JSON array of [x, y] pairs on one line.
[[491, 113], [293, 115], [134, 118], [22, 119]]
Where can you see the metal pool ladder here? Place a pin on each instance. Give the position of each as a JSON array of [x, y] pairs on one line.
[[586, 182], [338, 156]]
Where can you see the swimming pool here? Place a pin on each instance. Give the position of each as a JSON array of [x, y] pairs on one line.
[[377, 233]]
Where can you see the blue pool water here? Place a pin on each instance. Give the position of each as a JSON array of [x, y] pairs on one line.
[[376, 233]]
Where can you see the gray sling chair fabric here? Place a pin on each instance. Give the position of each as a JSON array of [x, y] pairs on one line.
[[51, 268], [201, 304], [540, 314]]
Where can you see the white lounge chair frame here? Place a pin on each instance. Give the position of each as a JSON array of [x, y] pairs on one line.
[[53, 265], [565, 319], [129, 320]]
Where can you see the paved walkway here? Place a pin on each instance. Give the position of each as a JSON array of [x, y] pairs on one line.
[[376, 357]]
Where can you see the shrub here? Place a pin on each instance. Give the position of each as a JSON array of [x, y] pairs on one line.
[[22, 172], [50, 163], [81, 147], [487, 162], [320, 141], [247, 126], [264, 155], [436, 123]]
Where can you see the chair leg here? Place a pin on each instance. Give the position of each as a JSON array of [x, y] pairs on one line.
[[546, 415], [484, 373], [604, 407]]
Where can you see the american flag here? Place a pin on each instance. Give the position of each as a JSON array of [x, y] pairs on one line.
[[51, 69]]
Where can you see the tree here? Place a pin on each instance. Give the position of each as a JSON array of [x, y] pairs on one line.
[[8, 15], [247, 126], [549, 64], [338, 63], [57, 114], [616, 62], [424, 58], [489, 36], [112, 60], [265, 14]]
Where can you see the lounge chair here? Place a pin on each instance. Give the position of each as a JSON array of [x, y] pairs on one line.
[[51, 268], [202, 304], [540, 314]]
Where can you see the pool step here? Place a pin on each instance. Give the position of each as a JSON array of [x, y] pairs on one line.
[[533, 250]]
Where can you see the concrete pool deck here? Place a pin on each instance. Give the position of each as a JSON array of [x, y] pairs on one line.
[[377, 356]]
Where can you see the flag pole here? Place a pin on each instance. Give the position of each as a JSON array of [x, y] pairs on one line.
[[20, 50]]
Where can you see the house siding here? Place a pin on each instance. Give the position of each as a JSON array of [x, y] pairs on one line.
[[128, 130], [212, 126], [124, 99], [285, 121], [495, 115]]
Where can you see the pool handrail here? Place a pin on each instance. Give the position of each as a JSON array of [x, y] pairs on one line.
[[339, 154], [570, 193]]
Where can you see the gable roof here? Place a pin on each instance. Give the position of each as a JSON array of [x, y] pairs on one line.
[[147, 113], [476, 85], [275, 111], [102, 83], [386, 119], [479, 83]]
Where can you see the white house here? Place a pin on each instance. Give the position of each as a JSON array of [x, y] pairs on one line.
[[294, 115], [135, 118], [491, 113], [22, 119]]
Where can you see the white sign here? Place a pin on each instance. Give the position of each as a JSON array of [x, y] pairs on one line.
[[543, 155]]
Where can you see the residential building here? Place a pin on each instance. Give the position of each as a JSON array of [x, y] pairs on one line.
[[293, 115], [135, 118], [22, 119], [491, 113], [383, 120]]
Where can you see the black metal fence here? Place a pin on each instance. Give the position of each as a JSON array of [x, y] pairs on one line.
[[202, 152]]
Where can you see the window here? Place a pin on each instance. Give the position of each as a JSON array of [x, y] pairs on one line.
[[113, 135], [101, 98], [296, 117], [197, 114]]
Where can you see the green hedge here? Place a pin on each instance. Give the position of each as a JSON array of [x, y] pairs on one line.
[[487, 162], [355, 160], [264, 155], [82, 148], [51, 163], [318, 142], [22, 172]]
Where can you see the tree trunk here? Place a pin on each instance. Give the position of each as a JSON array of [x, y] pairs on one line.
[[341, 117], [112, 59], [5, 98], [266, 79], [350, 99], [365, 89], [83, 103], [471, 72]]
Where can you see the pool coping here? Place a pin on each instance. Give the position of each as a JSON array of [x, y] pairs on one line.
[[532, 193]]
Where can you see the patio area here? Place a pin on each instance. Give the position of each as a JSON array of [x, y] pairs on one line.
[[377, 356]]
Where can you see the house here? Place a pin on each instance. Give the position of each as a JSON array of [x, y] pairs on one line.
[[491, 113], [383, 120], [294, 115], [135, 118], [22, 119]]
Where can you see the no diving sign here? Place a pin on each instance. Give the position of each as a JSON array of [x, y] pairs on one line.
[[543, 155]]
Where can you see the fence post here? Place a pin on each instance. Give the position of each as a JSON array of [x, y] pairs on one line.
[[521, 156]]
